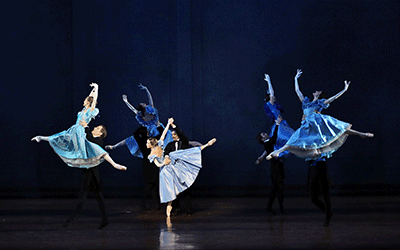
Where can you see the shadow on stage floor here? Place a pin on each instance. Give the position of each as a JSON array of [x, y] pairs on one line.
[[217, 223]]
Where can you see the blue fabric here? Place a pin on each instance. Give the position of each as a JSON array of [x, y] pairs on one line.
[[133, 146], [73, 147], [180, 174], [319, 135], [151, 124], [284, 130]]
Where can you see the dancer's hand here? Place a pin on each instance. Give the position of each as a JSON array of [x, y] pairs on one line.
[[83, 123], [258, 161], [267, 78], [279, 120], [167, 161], [170, 120], [94, 85], [346, 84], [298, 74], [124, 98], [141, 86]]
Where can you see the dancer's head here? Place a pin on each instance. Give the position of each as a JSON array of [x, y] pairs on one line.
[[99, 131], [175, 135], [88, 101], [262, 137], [318, 94], [142, 107], [151, 142]]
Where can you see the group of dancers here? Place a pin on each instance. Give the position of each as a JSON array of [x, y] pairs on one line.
[[317, 138], [82, 148], [168, 154]]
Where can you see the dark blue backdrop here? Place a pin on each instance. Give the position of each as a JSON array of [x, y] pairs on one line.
[[203, 62]]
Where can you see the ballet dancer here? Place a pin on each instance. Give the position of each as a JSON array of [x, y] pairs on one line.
[[319, 135], [72, 146], [178, 171]]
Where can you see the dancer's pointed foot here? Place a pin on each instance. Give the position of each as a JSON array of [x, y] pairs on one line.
[[369, 135], [272, 155], [211, 142], [37, 138], [168, 212], [120, 167], [109, 147]]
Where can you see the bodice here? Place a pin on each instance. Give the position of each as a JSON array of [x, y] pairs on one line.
[[87, 116], [310, 107]]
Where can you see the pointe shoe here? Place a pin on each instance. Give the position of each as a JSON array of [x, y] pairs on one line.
[[211, 142], [36, 138], [121, 167], [168, 212], [272, 155], [370, 135]]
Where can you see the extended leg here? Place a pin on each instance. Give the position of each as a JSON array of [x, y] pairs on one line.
[[363, 135], [39, 138], [113, 163]]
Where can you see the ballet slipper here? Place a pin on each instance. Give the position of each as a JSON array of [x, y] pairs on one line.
[[211, 142], [168, 212], [36, 138], [120, 167]]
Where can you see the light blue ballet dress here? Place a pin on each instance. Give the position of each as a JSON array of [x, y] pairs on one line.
[[73, 147], [150, 120], [284, 130], [180, 174], [319, 135]]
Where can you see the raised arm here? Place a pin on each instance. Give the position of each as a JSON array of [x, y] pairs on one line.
[[94, 93], [270, 89], [296, 85], [125, 99], [151, 103], [170, 121], [346, 86]]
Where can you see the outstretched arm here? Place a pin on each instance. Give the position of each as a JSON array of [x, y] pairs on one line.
[[346, 86], [94, 93], [296, 85], [270, 89], [125, 99], [170, 120], [259, 159], [151, 103]]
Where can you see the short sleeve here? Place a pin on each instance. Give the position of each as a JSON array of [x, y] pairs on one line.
[[322, 104], [161, 144]]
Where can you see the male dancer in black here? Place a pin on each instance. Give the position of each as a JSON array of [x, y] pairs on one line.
[[318, 183], [277, 168], [150, 170], [180, 142], [91, 178]]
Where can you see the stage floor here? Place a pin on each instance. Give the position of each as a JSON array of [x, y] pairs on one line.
[[217, 223]]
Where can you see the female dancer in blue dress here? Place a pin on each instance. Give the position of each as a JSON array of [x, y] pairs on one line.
[[73, 147], [147, 116], [273, 110], [319, 135], [179, 170]]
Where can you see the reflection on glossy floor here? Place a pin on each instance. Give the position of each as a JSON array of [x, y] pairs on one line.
[[217, 223]]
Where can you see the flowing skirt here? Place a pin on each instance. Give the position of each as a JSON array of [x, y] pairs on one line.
[[75, 150], [180, 174], [318, 136], [284, 134]]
